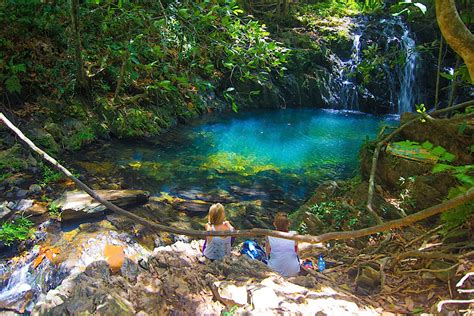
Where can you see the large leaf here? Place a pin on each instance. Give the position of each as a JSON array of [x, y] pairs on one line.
[[440, 167]]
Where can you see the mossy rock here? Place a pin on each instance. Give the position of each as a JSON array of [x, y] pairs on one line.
[[12, 159], [45, 140]]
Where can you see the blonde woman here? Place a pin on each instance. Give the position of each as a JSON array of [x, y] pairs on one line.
[[282, 253], [217, 247]]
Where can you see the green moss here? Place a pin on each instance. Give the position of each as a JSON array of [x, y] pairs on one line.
[[12, 159], [224, 162], [17, 230], [80, 138]]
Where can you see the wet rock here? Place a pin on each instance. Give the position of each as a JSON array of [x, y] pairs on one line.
[[32, 162], [129, 270], [5, 212], [192, 206], [54, 130], [98, 270], [37, 209], [230, 294], [21, 194], [264, 298], [45, 140], [35, 189], [21, 205], [78, 204]]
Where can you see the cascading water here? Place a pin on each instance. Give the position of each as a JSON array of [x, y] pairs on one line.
[[349, 96], [407, 77], [393, 85]]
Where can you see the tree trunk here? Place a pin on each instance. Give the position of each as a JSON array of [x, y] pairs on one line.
[[81, 78], [440, 57], [455, 32]]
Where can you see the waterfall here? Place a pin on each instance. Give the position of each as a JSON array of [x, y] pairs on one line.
[[392, 87], [407, 75], [21, 288], [349, 94]]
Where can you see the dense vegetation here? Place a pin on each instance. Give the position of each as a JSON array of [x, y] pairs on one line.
[[145, 65]]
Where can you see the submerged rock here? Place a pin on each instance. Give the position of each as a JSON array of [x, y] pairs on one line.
[[78, 204]]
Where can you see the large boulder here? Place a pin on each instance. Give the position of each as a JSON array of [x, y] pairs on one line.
[[78, 204]]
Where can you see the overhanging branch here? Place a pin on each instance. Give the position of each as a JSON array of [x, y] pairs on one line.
[[450, 204]]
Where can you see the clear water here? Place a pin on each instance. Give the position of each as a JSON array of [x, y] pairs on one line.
[[272, 158]]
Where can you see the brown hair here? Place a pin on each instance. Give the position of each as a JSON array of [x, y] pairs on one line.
[[216, 214], [281, 221]]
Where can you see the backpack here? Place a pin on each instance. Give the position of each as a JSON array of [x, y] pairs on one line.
[[254, 251]]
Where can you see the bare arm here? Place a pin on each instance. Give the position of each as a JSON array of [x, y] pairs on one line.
[[267, 246]]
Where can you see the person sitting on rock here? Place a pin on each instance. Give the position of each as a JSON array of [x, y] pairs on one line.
[[217, 247], [282, 253]]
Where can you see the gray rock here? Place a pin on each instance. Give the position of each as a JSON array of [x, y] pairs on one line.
[[98, 270], [35, 189], [129, 270], [21, 194], [5, 212], [79, 205], [32, 161], [21, 205]]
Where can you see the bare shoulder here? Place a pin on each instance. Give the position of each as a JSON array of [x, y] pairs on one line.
[[228, 224]]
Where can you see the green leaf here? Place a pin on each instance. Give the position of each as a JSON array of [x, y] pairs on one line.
[[165, 84], [229, 65], [440, 167], [465, 178], [446, 75], [235, 108], [135, 59], [18, 68], [438, 151], [134, 75], [427, 145], [461, 128], [13, 84], [448, 157]]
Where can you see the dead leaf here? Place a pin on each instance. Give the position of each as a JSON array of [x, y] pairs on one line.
[[38, 260]]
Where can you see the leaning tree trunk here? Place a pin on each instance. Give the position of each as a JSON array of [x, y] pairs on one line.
[[81, 78], [455, 32]]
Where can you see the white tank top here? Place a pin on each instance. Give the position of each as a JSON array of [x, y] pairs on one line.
[[217, 247], [283, 257]]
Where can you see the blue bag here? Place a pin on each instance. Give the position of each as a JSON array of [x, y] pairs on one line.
[[254, 251]]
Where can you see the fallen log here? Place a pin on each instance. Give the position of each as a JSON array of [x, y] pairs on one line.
[[445, 206]]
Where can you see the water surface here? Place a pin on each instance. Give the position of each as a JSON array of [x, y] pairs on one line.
[[268, 159]]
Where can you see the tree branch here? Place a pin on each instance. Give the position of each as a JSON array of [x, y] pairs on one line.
[[464, 198]]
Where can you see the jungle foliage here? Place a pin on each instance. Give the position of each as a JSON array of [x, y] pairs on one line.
[[147, 62]]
